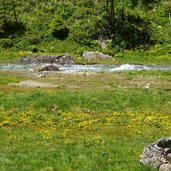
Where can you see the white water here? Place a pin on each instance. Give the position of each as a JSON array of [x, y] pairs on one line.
[[16, 67], [90, 68]]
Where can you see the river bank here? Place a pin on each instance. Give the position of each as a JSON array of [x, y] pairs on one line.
[[153, 56]]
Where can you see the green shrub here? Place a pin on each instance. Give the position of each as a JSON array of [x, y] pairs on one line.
[[109, 51], [6, 43], [33, 48], [76, 24], [13, 28], [81, 37], [119, 55], [28, 40], [58, 29], [33, 39]]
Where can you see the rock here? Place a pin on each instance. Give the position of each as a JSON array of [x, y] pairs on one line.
[[41, 75], [49, 67], [147, 86], [165, 167], [30, 83], [64, 59], [104, 42], [95, 56], [157, 153]]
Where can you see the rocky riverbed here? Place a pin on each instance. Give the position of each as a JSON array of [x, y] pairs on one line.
[[87, 68]]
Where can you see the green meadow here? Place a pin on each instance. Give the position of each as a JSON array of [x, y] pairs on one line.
[[90, 122]]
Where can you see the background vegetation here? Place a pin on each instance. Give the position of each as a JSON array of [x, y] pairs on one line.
[[74, 26]]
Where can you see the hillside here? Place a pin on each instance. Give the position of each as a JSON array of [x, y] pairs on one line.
[[110, 26]]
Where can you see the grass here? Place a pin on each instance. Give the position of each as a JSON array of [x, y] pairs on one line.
[[145, 57], [6, 78], [29, 149], [7, 55], [96, 101], [158, 54], [78, 141], [90, 122]]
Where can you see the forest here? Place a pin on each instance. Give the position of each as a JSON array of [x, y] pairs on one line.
[[110, 26]]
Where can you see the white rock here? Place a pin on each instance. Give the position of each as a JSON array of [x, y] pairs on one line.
[[91, 56], [165, 167]]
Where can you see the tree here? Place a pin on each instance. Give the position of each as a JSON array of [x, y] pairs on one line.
[[13, 8], [3, 16], [8, 10], [110, 8], [9, 17]]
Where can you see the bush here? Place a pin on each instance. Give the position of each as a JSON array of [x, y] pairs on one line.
[[136, 32], [13, 28], [109, 51], [58, 29], [6, 43], [33, 39], [115, 51], [33, 48], [81, 37]]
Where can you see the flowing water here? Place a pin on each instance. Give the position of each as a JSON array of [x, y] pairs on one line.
[[90, 68]]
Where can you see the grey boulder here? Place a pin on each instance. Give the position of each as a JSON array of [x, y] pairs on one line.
[[95, 56], [49, 67], [157, 154], [64, 59]]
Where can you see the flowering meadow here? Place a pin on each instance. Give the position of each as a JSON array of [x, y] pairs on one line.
[[69, 140], [84, 120]]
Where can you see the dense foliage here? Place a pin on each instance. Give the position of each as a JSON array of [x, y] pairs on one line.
[[77, 24]]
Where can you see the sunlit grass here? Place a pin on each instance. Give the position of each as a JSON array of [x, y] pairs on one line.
[[6, 78], [91, 128], [73, 141]]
